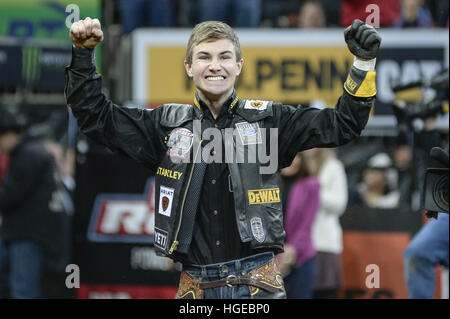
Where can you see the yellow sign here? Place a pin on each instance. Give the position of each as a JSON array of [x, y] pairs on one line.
[[284, 74], [264, 196]]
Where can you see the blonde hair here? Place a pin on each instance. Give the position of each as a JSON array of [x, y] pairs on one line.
[[212, 31]]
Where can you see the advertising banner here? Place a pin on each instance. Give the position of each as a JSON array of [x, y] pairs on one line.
[[42, 19], [36, 65], [291, 66], [45, 22]]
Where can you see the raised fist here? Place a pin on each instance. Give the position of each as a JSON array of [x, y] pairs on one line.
[[362, 40], [86, 33]]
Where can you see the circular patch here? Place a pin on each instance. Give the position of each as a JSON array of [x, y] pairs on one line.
[[180, 143]]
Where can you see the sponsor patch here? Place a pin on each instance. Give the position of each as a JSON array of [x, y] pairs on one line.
[[165, 200], [168, 173], [256, 105], [350, 84], [257, 229], [161, 238], [249, 133], [180, 143], [263, 196]]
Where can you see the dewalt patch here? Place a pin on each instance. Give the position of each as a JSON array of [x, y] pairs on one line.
[[263, 196]]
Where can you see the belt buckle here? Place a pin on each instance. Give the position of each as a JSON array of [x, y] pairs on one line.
[[229, 278]]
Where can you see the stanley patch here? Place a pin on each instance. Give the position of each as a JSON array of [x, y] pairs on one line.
[[168, 173], [256, 105], [264, 196]]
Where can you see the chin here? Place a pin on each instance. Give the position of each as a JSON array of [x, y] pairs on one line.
[[216, 91]]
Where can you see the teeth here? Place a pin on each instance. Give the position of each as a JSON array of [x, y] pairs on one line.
[[215, 78]]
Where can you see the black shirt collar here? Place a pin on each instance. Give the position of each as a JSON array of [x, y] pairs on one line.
[[201, 109]]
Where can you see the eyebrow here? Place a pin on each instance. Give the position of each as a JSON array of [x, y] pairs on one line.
[[207, 53]]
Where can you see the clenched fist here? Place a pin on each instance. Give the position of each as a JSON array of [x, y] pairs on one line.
[[362, 40], [86, 33]]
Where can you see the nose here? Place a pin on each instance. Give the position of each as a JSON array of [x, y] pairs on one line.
[[215, 65]]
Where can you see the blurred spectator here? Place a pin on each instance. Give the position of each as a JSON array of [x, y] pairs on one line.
[[414, 15], [4, 286], [327, 230], [428, 248], [146, 13], [237, 13], [301, 209], [312, 15], [62, 249], [65, 162], [30, 206], [439, 10], [332, 12], [403, 157], [377, 189], [280, 13], [389, 11], [3, 166]]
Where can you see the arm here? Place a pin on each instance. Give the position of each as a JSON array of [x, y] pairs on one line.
[[305, 128], [130, 131]]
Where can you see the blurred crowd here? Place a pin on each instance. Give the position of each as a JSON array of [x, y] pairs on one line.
[[37, 186], [133, 14], [319, 188]]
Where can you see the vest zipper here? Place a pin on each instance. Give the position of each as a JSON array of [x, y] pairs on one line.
[[175, 241]]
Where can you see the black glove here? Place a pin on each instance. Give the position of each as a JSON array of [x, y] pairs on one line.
[[362, 40]]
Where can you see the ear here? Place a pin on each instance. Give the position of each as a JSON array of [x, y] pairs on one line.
[[188, 68], [240, 64]]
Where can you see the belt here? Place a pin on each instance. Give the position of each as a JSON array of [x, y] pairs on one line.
[[232, 281], [266, 277]]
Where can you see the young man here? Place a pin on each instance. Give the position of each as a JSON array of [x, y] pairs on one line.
[[219, 216]]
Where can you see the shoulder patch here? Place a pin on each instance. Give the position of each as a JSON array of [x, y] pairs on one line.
[[256, 105]]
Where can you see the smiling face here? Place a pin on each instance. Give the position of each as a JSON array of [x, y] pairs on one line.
[[214, 69]]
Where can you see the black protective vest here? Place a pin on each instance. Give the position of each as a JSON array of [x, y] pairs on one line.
[[257, 196]]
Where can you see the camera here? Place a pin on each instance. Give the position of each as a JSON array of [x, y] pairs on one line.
[[413, 106], [435, 189]]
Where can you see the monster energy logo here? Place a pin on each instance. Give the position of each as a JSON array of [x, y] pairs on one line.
[[31, 70]]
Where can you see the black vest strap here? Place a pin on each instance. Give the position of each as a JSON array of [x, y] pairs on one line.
[[191, 207]]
